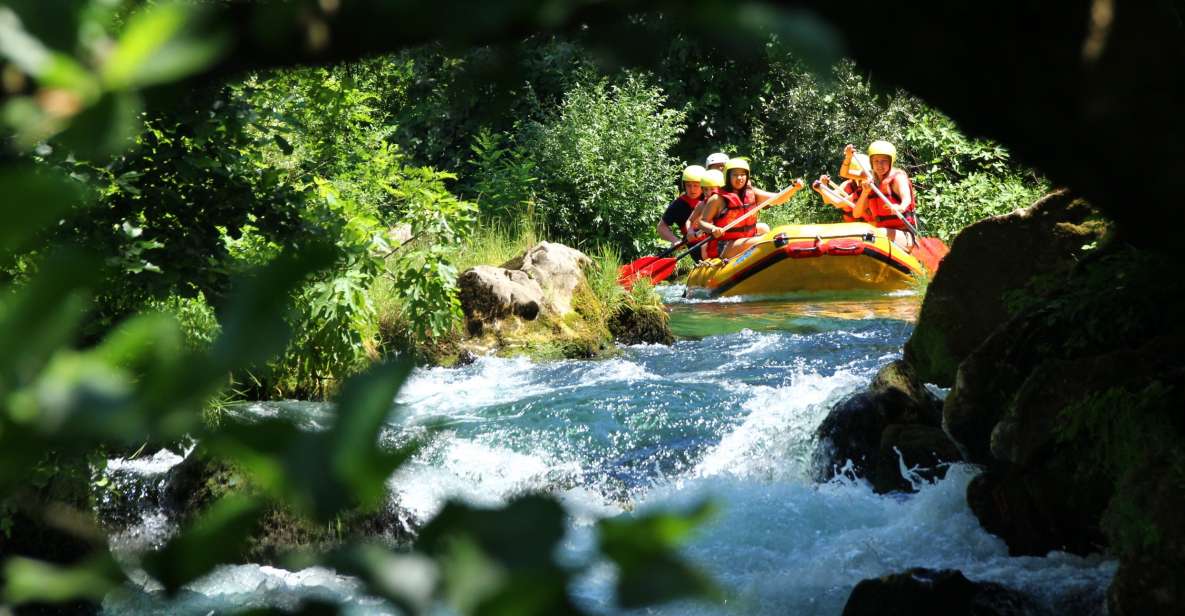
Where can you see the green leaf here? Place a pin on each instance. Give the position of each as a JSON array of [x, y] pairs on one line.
[[105, 128], [407, 580], [34, 199], [42, 316], [31, 580], [20, 47], [366, 401], [644, 550], [218, 537], [487, 555], [254, 328], [161, 43]]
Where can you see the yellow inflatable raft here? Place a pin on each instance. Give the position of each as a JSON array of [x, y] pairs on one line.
[[827, 257]]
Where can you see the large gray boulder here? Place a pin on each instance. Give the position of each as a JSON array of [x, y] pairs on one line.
[[558, 269], [491, 294]]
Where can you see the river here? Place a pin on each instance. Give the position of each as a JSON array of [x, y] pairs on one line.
[[727, 413]]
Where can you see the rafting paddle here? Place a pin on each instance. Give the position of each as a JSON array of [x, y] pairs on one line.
[[631, 271], [659, 268]]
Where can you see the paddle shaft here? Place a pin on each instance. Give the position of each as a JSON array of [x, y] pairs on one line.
[[834, 194], [789, 190]]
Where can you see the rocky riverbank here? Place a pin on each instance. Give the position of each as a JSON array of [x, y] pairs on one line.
[[1060, 346], [544, 304]]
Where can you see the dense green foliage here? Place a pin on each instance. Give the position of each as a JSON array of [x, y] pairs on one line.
[[606, 162], [265, 227]]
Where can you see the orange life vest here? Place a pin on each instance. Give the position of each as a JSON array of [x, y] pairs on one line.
[[881, 213]]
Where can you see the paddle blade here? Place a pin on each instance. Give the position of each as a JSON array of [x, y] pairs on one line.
[[930, 251], [654, 268], [660, 270]]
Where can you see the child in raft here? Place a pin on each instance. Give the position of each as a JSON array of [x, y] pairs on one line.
[[733, 201]]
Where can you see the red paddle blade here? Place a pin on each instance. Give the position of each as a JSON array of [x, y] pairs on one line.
[[654, 268], [930, 251], [660, 270], [630, 271]]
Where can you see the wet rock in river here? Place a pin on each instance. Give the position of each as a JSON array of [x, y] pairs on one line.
[[897, 419], [929, 592], [491, 294]]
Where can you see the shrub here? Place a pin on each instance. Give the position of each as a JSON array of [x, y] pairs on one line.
[[606, 162]]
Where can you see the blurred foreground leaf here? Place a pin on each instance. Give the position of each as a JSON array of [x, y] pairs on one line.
[[219, 536], [34, 199], [254, 329], [42, 316], [501, 561], [644, 549], [31, 580], [105, 128], [322, 474], [363, 408], [161, 43], [407, 580]]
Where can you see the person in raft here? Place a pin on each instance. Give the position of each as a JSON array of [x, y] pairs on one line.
[[732, 202], [712, 182], [716, 161], [895, 185], [850, 189], [677, 213]]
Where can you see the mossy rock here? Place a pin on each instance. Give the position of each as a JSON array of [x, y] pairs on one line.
[[969, 296], [641, 325], [202, 479]]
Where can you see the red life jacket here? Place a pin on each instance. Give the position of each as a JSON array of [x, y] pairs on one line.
[[734, 208], [881, 214], [852, 190]]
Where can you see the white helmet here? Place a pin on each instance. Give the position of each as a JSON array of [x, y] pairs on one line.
[[719, 158]]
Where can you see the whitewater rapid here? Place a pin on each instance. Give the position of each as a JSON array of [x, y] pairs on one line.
[[727, 418]]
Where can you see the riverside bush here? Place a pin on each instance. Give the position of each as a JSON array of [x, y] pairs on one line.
[[606, 170]]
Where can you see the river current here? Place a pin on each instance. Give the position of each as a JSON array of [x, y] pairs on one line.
[[727, 413]]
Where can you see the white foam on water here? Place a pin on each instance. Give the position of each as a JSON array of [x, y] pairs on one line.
[[151, 532], [482, 474], [616, 370], [796, 548], [450, 391], [157, 463], [776, 437], [241, 587]]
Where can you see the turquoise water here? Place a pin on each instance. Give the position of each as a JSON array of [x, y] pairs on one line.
[[727, 413]]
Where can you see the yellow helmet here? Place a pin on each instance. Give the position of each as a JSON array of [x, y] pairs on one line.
[[693, 173], [713, 178], [736, 163], [860, 163], [883, 148]]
